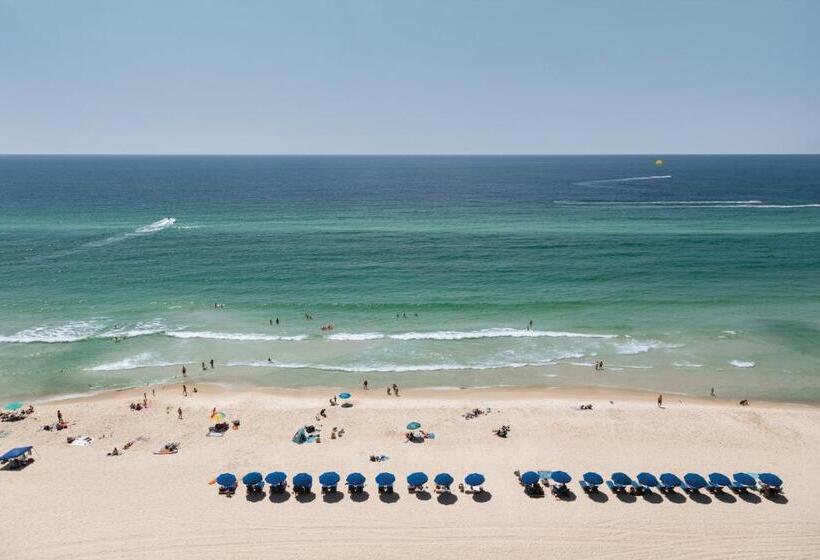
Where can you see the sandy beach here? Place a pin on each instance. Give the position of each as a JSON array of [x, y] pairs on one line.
[[77, 502]]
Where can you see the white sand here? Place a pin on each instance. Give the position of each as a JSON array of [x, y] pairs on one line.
[[75, 502]]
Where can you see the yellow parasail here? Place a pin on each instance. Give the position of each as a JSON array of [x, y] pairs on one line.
[[658, 162]]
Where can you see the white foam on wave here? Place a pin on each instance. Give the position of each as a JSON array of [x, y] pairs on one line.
[[686, 364], [493, 333], [685, 204], [143, 360], [356, 336], [159, 225], [72, 331], [389, 368], [140, 329], [624, 180], [741, 364], [232, 336], [631, 347]]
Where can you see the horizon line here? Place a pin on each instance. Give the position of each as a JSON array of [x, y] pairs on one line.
[[398, 154]]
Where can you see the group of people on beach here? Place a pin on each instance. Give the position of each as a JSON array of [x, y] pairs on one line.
[[599, 365], [16, 415]]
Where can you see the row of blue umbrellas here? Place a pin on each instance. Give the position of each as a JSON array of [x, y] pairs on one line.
[[332, 478], [665, 481]]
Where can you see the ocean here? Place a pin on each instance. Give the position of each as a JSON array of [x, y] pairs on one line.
[[700, 272]]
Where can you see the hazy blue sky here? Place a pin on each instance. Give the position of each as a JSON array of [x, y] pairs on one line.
[[409, 77]]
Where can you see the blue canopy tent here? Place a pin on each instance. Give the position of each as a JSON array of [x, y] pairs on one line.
[[718, 481], [276, 480], [355, 481], [591, 481], [413, 425], [416, 480], [669, 482], [529, 478], [693, 482], [226, 482], [302, 483], [770, 482], [474, 479], [443, 479], [385, 481], [329, 480], [15, 453], [254, 481]]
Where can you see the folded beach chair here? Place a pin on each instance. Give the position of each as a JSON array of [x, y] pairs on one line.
[[770, 483], [718, 481], [591, 481], [669, 482], [619, 482]]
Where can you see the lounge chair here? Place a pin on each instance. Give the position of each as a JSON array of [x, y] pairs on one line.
[[591, 481]]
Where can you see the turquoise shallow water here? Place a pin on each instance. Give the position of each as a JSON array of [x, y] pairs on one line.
[[702, 272]]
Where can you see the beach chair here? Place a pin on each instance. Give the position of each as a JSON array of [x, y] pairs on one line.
[[590, 481]]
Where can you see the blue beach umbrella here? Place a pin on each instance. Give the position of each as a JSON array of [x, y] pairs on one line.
[[719, 479], [385, 479], [744, 479], [413, 426], [770, 479], [474, 479], [252, 479], [530, 477], [621, 479], [329, 478], [560, 477], [443, 479], [355, 479], [670, 480], [647, 479], [344, 395], [694, 480], [416, 479], [226, 480], [593, 478], [276, 478], [303, 480], [13, 406]]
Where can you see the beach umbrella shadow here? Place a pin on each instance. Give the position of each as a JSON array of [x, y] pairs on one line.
[[255, 496], [279, 497], [725, 497], [305, 498], [362, 496], [389, 497], [750, 498], [700, 498], [777, 498], [675, 497], [482, 497], [333, 497], [626, 497], [422, 495], [447, 498], [598, 497], [652, 497]]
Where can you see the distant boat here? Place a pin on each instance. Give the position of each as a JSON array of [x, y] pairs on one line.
[[658, 162]]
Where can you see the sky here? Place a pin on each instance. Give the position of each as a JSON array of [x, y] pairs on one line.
[[409, 77]]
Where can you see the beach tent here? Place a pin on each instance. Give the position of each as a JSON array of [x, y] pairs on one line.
[[15, 453]]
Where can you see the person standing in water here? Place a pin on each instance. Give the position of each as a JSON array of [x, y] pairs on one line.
[[212, 363], [365, 384], [713, 392], [277, 320]]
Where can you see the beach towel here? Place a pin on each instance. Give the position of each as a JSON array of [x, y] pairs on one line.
[[82, 441], [215, 434], [166, 452]]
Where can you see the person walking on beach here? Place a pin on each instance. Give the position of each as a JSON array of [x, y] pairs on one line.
[[660, 401], [203, 366], [184, 372], [59, 417], [212, 363], [388, 391], [365, 384], [713, 392], [179, 412], [184, 390], [396, 389]]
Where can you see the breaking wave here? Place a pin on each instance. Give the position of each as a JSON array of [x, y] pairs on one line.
[[232, 336]]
